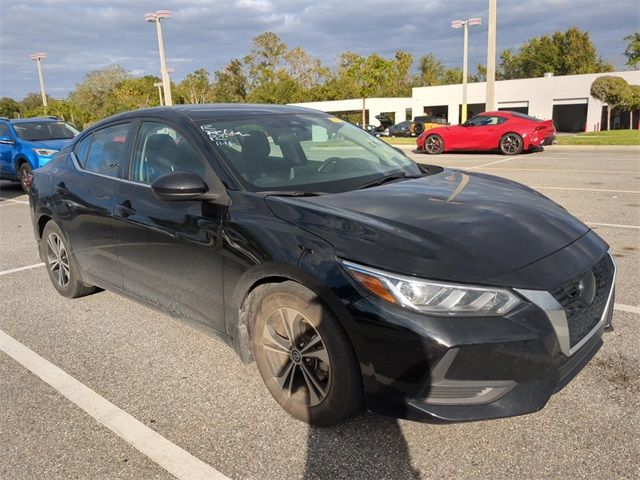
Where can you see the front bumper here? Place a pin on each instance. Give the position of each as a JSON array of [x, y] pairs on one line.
[[429, 368]]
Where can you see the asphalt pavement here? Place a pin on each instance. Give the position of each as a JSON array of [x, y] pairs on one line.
[[193, 393]]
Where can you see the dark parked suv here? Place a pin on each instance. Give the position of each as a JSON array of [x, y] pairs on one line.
[[352, 275]]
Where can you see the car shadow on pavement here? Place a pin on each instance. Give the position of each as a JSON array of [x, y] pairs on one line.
[[367, 446], [10, 190]]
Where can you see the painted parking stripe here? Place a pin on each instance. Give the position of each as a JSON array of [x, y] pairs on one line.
[[11, 200], [626, 308], [21, 269], [490, 163], [168, 455], [562, 171], [614, 225], [637, 192]]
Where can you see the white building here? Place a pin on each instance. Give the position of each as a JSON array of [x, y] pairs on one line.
[[565, 99]]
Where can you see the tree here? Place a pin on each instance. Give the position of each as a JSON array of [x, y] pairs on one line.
[[231, 85], [196, 88], [632, 103], [632, 51], [612, 90], [9, 107], [133, 93], [563, 53], [94, 93], [31, 105], [430, 71]]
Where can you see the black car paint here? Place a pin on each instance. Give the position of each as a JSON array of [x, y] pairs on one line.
[[198, 260]]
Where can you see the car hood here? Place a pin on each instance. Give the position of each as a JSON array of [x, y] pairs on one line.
[[49, 144], [456, 226]]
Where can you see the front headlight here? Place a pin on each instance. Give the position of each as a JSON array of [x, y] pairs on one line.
[[44, 152], [432, 297]]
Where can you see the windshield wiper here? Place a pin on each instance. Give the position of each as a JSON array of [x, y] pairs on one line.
[[292, 193], [385, 178]]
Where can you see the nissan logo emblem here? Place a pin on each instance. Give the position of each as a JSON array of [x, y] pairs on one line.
[[587, 288]]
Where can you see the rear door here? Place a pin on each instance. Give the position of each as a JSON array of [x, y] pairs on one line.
[[170, 250], [85, 195]]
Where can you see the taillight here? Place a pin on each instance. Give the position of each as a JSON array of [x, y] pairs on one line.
[[542, 127]]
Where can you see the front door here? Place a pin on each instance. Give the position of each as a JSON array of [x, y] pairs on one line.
[[481, 133], [169, 250]]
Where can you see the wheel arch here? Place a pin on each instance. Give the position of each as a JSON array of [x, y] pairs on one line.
[[19, 160], [239, 326], [508, 132]]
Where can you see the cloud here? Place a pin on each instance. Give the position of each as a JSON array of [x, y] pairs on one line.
[[83, 35]]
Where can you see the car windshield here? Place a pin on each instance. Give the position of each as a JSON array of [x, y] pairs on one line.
[[303, 152], [34, 131]]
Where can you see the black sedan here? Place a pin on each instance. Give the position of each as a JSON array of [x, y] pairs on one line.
[[352, 275]]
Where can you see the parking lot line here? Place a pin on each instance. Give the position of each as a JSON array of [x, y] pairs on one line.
[[20, 269], [614, 225], [586, 189], [626, 308], [168, 455], [561, 171], [11, 200], [490, 163]]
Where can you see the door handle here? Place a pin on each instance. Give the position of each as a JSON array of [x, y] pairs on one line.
[[125, 209]]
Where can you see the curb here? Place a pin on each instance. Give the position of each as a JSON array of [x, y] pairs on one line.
[[630, 148]]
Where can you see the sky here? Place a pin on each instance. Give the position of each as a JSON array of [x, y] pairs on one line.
[[82, 36]]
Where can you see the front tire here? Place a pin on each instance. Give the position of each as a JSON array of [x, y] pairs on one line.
[[511, 144], [62, 268], [434, 144], [303, 355], [24, 170]]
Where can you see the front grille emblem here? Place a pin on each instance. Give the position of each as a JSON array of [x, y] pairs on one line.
[[587, 288]]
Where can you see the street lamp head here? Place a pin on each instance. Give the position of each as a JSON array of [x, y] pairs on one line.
[[38, 56], [150, 17], [163, 14], [474, 21], [457, 23]]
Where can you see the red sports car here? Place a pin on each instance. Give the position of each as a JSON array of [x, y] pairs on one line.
[[510, 132]]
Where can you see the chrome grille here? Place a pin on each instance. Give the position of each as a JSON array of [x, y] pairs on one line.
[[582, 317]]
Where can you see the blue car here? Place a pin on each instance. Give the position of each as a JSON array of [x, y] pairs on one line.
[[29, 143]]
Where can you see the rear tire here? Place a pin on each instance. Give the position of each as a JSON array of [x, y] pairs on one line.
[[316, 377], [511, 144], [434, 144], [61, 265], [24, 170]]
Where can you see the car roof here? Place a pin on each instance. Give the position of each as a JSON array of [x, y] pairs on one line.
[[34, 119], [210, 110]]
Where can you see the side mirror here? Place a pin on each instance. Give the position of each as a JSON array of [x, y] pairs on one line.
[[179, 186], [6, 141]]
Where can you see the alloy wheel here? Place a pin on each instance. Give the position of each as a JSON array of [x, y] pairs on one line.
[[433, 144], [297, 356], [58, 260], [511, 144]]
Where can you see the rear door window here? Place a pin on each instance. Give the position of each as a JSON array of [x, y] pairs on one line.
[[107, 150]]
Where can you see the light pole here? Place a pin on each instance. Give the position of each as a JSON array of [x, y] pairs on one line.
[[159, 85], [490, 102], [465, 59], [38, 57], [166, 83]]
